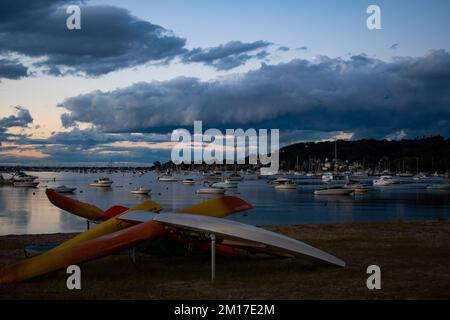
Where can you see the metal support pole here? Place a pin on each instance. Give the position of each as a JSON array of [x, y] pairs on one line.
[[213, 257], [88, 224]]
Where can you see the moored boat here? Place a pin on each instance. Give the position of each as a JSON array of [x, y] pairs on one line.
[[442, 186], [102, 183], [24, 180], [4, 182], [210, 190], [141, 190], [280, 180], [357, 187], [64, 189], [188, 181], [227, 184], [287, 184], [385, 181], [334, 191], [234, 177], [167, 178], [26, 183]]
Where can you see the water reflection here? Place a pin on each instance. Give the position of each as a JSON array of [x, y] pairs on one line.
[[29, 211]]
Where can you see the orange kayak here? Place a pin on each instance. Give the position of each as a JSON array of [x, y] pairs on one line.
[[82, 252]]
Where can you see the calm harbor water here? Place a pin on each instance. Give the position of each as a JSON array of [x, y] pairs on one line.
[[27, 211]]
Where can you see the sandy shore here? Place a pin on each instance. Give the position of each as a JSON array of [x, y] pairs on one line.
[[414, 258]]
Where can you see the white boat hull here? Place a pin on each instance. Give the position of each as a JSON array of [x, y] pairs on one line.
[[25, 184], [210, 191], [65, 190], [286, 186], [225, 185], [101, 185], [144, 191], [167, 180], [439, 187], [333, 192]]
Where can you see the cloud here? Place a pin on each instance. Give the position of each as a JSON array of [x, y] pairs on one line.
[[302, 48], [227, 56], [283, 48], [363, 95], [394, 46], [21, 119], [89, 145], [398, 135], [110, 38], [12, 69]]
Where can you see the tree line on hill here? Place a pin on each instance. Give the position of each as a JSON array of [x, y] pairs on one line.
[[426, 154]]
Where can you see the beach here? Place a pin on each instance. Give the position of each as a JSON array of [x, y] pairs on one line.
[[412, 255]]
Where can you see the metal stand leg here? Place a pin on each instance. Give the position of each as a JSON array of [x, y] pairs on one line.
[[133, 255], [213, 257], [88, 223]]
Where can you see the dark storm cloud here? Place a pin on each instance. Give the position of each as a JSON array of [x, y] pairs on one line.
[[22, 119], [227, 56], [90, 138], [12, 69], [110, 39], [361, 94]]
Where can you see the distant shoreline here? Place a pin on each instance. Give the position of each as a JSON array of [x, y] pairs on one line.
[[413, 257]]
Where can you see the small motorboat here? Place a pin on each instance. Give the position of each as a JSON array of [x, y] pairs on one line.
[[64, 189], [419, 177], [167, 178], [102, 183], [357, 187], [4, 182], [329, 177], [442, 186], [215, 176], [210, 190], [280, 180], [24, 180], [141, 190], [385, 181], [286, 185], [188, 181], [235, 177], [26, 183], [404, 175], [227, 184], [334, 191]]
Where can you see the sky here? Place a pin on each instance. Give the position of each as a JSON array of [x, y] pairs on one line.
[[114, 90]]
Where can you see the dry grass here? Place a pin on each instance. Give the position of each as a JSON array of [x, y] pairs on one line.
[[414, 258]]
